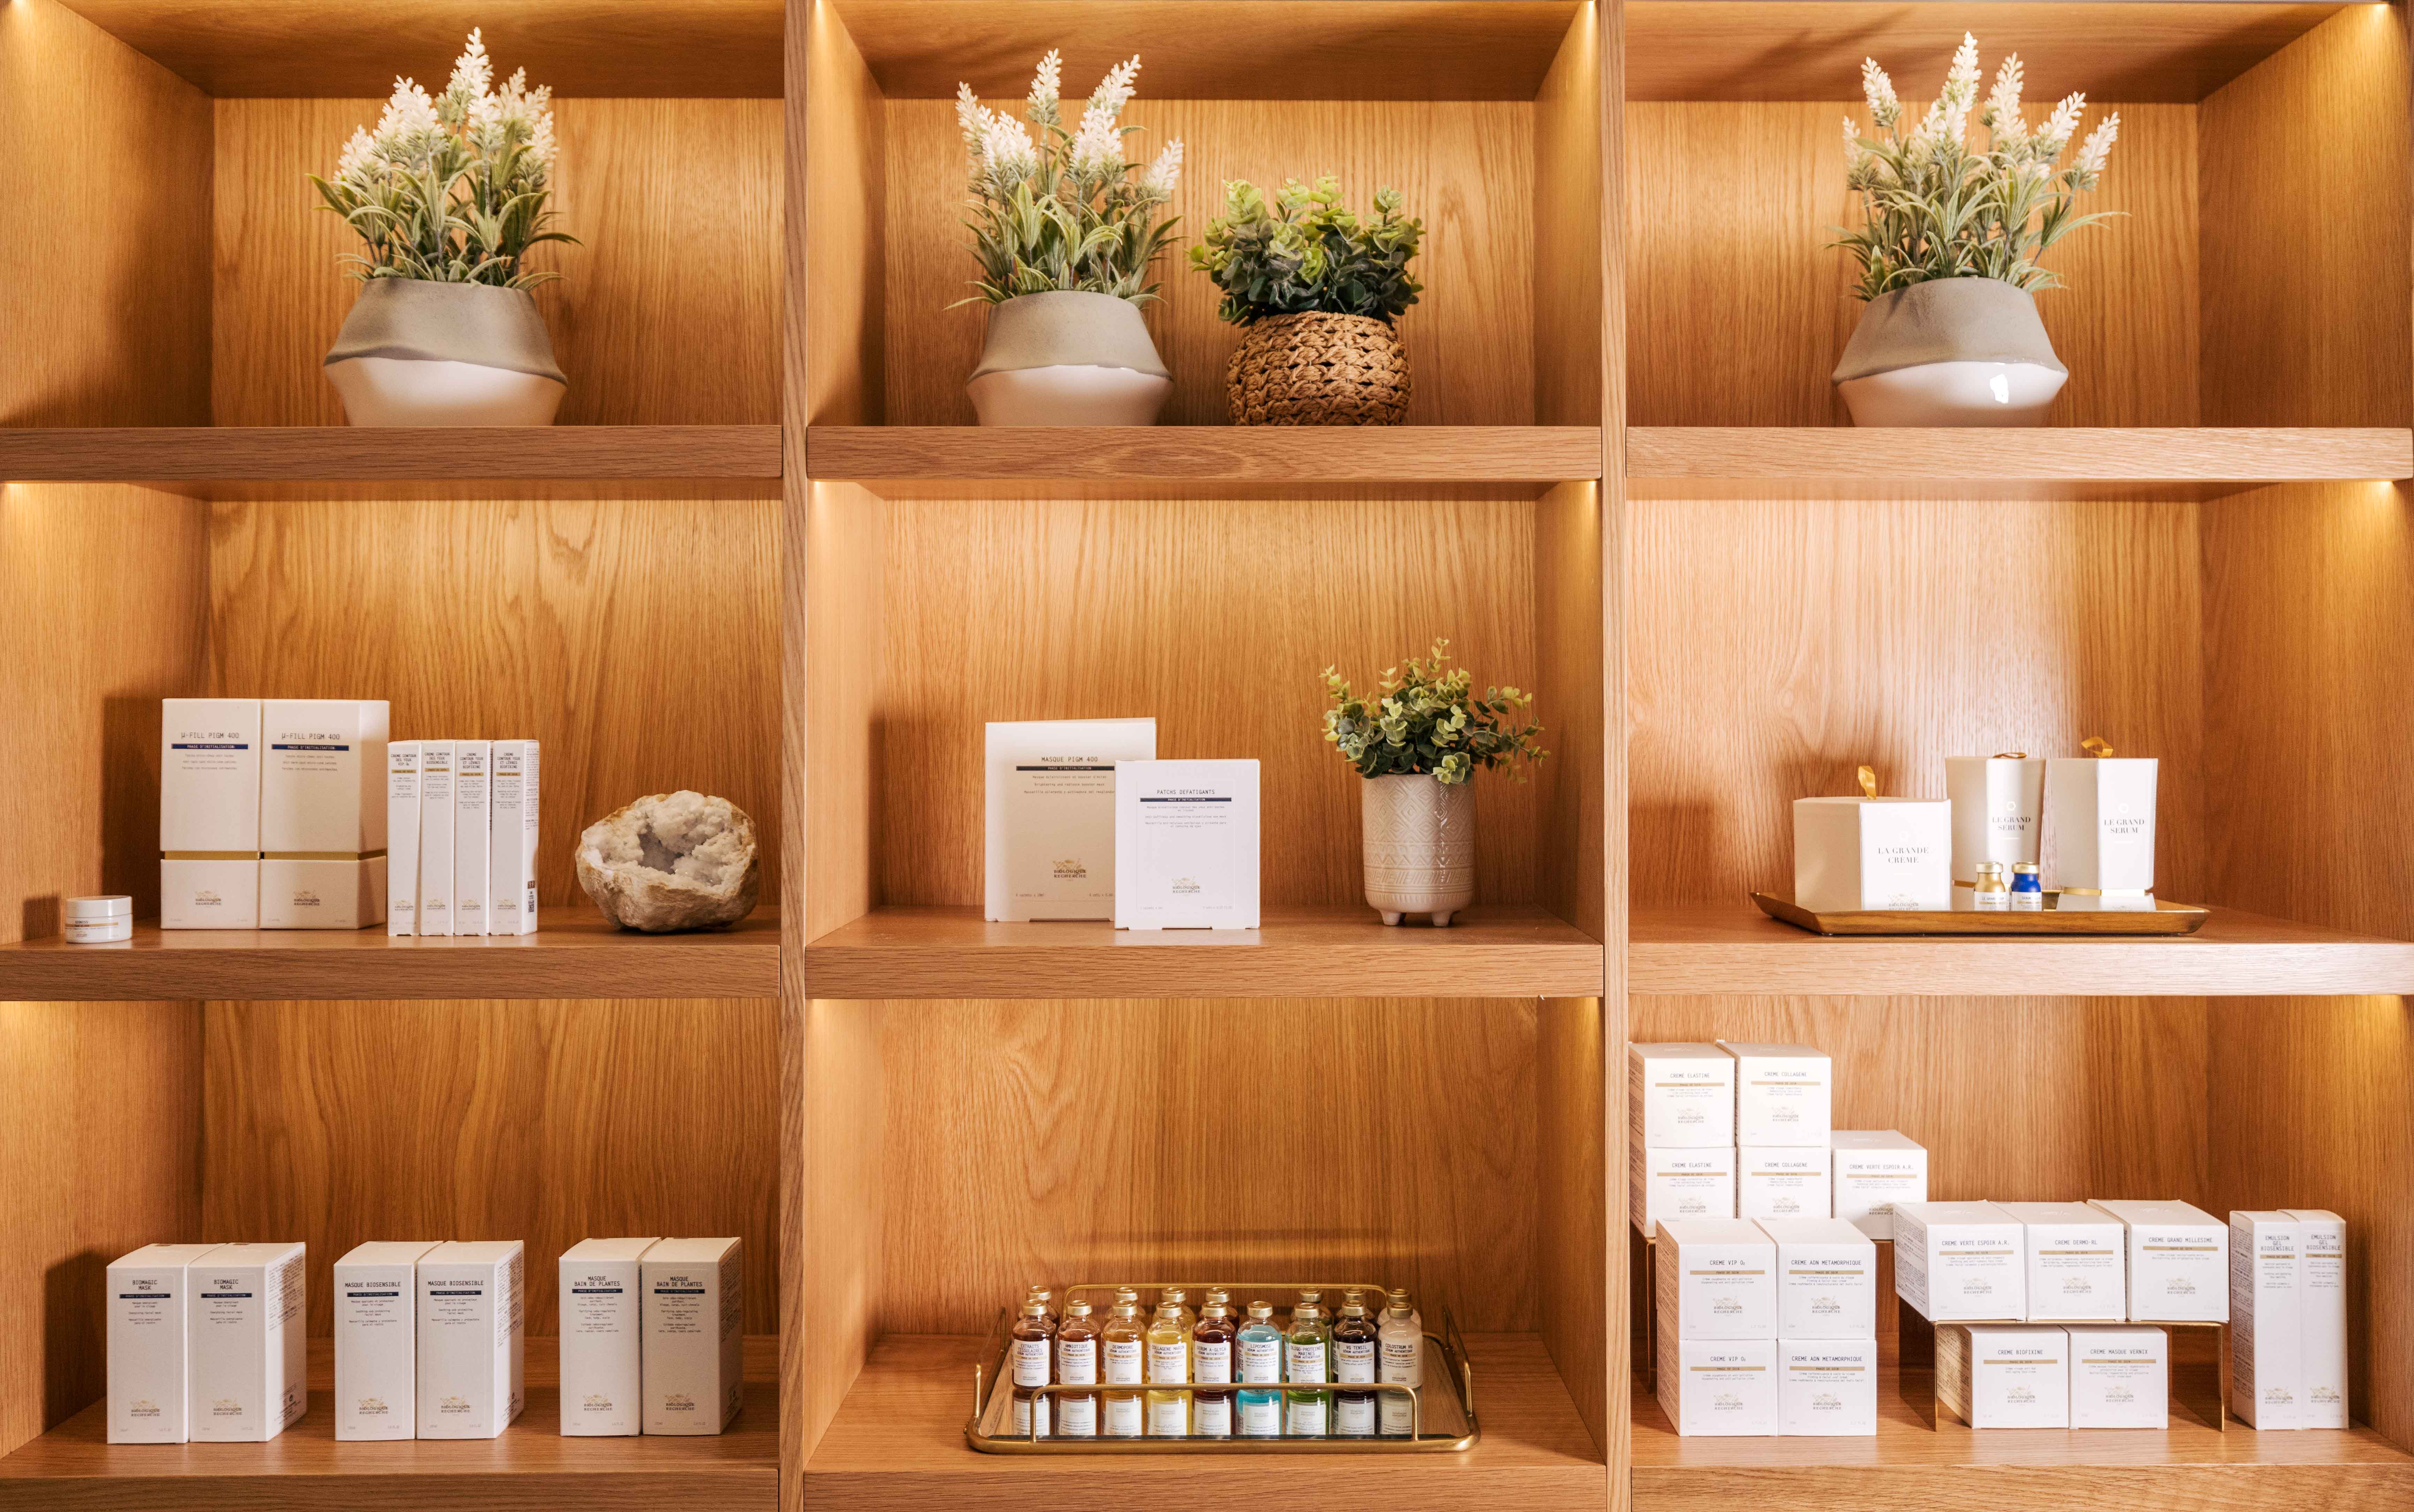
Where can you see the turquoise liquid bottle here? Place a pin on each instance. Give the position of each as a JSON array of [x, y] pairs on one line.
[[1260, 1350]]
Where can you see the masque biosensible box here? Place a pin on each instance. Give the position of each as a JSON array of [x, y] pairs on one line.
[[1720, 1387], [1827, 1279], [402, 837], [1050, 846], [2179, 1261], [2075, 1266], [603, 1325], [692, 1334], [1782, 1181], [1680, 1183], [2267, 1382], [245, 1351], [1859, 853], [1959, 1262], [1783, 1094], [1717, 1279], [2006, 1376], [1679, 1096], [209, 814], [1875, 1168], [149, 1300], [471, 1364], [322, 810], [2120, 1377], [510, 862], [2322, 1298], [1827, 1388], [377, 1340], [471, 822]]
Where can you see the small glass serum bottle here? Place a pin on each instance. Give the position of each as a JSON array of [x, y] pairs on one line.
[[1991, 896], [1077, 1365], [1354, 1364], [1308, 1361], [1211, 1359], [1123, 1346], [2027, 887], [1168, 1365], [1260, 1346], [1030, 1362], [1402, 1342]]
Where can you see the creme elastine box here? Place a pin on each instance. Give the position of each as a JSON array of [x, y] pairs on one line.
[[209, 813], [1827, 1279], [1959, 1262], [245, 1349], [694, 1335], [2266, 1385], [149, 1301], [1679, 1095], [1783, 1094], [1720, 1388], [2322, 1299], [2074, 1259], [2179, 1261], [1782, 1181], [511, 838], [1679, 1183], [1827, 1388], [602, 1328], [323, 787], [377, 1340], [471, 1369], [1875, 1168], [2120, 1376], [1717, 1279]]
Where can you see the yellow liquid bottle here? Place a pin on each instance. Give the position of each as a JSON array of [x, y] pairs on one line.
[[1168, 1364], [1125, 1344]]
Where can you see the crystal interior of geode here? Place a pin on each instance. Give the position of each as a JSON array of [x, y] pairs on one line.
[[672, 861]]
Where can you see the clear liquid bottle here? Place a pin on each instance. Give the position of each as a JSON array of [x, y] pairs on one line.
[[1353, 1364], [1028, 1359], [1307, 1359], [1168, 1365], [1211, 1359], [1122, 1347], [1077, 1365], [1401, 1350], [1259, 1348]]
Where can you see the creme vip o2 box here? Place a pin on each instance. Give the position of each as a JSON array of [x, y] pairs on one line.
[[1827, 1388], [1720, 1388], [2179, 1261], [402, 837], [1959, 1262], [1679, 1096], [1875, 1168], [602, 1328], [1782, 1181], [694, 1335], [1717, 1280], [323, 787], [471, 1369], [377, 1340], [473, 821], [2074, 1258], [2012, 1376], [436, 837], [2323, 1300], [2120, 1377], [244, 1347], [1827, 1279], [209, 814], [149, 1300], [1680, 1183], [1785, 1094], [2267, 1383], [511, 839]]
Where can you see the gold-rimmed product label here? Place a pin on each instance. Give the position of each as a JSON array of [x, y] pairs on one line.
[[209, 855]]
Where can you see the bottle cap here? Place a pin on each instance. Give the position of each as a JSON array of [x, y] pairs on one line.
[[99, 908], [1354, 1308], [1127, 1302], [1077, 1307], [2023, 868], [1311, 1298], [1261, 1309], [1035, 1308], [1990, 868], [1174, 1295], [1217, 1297]]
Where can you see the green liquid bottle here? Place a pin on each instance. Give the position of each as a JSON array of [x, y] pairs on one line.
[[1307, 1358]]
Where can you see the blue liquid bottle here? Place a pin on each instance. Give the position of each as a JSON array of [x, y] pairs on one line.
[[1259, 1348]]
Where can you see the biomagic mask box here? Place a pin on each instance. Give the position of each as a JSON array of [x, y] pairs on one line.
[[245, 1346], [149, 1299]]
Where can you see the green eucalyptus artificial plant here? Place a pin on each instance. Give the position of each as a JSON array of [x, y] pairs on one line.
[[1429, 722], [1304, 251]]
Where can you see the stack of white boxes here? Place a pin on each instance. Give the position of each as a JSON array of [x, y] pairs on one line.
[[2288, 1296], [461, 820], [1767, 1327], [652, 1335], [205, 1343], [1680, 1118], [269, 815], [1785, 1099]]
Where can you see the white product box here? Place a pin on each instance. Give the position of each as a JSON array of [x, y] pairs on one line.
[[436, 837], [2267, 1383], [2120, 1377], [1720, 1388], [377, 1341], [402, 837], [149, 1302], [1827, 1388], [2075, 1257], [1959, 1262], [322, 809], [1783, 1094], [471, 820], [2322, 1298], [2018, 1376], [511, 839], [243, 1345], [692, 1334], [1827, 1279], [1050, 846], [1875, 1168], [2179, 1261], [1855, 853], [1682, 1182], [1717, 1279], [1186, 844], [1782, 1181], [601, 1325], [471, 1368], [1679, 1096], [1997, 804], [209, 814], [2103, 822]]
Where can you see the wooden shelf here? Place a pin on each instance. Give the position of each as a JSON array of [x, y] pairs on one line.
[[1688, 951], [575, 953], [1331, 952], [2185, 1468], [898, 1441], [344, 454], [1215, 461], [1731, 462], [74, 1468]]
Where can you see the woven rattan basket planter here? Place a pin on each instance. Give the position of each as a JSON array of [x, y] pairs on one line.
[[1320, 369]]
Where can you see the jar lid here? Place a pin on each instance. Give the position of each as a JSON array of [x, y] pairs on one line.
[[100, 907]]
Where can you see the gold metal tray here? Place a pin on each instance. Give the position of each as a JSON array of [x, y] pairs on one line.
[[1442, 1421], [2064, 913]]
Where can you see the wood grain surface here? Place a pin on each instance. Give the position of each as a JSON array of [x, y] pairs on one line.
[[838, 171], [1734, 462], [313, 453], [1130, 457], [668, 314]]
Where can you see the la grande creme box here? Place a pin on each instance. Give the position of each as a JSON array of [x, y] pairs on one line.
[[1859, 853]]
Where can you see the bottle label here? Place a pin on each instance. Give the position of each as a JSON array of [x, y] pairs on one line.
[[1353, 1359], [1122, 1362], [1402, 1359], [1023, 1407], [1170, 1419], [1354, 1417], [1307, 1419], [1077, 1417], [1123, 1417], [1077, 1361], [1212, 1417], [1260, 1360], [1262, 1419], [1213, 1359], [1306, 1360], [1168, 1364], [1396, 1412], [1031, 1362]]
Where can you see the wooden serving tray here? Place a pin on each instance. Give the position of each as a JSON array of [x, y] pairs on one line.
[[2058, 917]]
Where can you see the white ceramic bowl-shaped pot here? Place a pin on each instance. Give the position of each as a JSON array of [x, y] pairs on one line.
[[414, 353], [1067, 357], [1418, 841], [1953, 352]]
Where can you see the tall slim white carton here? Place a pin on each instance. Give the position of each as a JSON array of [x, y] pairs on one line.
[[1959, 1262], [435, 837], [603, 1325], [377, 1340], [245, 1348], [2179, 1261], [1720, 1388], [2267, 1383], [2120, 1376], [2018, 1376], [1998, 802], [2075, 1255], [1679, 1183], [209, 814], [2102, 812], [149, 1301], [1782, 1181], [472, 1369], [2322, 1297], [1717, 1280], [1679, 1096], [471, 834], [322, 809], [1785, 1094], [1875, 1168], [511, 865], [1827, 1279], [694, 1335], [1827, 1388], [402, 837], [1859, 853]]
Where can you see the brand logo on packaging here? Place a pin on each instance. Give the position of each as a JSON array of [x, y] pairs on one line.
[[453, 1404], [225, 1407], [1070, 869]]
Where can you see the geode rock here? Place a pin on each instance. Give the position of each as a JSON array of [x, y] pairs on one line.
[[671, 862]]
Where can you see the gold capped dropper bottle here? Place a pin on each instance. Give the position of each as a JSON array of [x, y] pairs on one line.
[[1353, 1364], [1031, 1367], [1168, 1365], [1123, 1346], [1077, 1365], [1211, 1359], [1990, 893]]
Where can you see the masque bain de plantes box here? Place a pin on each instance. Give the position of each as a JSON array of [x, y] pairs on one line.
[[1959, 1262], [1717, 1279], [2323, 1300], [2179, 1261], [2267, 1383], [245, 1349], [692, 1334], [323, 813], [1827, 1279], [2120, 1377], [1875, 1168], [377, 1341], [150, 1299], [602, 1326], [471, 1362], [209, 814], [2076, 1270], [1783, 1094]]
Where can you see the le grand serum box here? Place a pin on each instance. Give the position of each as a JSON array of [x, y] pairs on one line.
[[244, 1343], [692, 1334], [209, 814], [324, 786], [377, 1340], [602, 1326], [471, 1365], [148, 1301]]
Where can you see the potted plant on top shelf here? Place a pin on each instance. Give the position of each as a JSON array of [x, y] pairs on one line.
[[1067, 233], [1948, 247], [449, 193]]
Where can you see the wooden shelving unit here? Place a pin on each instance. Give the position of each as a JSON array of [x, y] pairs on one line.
[[338, 454]]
